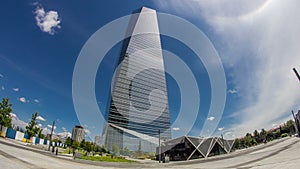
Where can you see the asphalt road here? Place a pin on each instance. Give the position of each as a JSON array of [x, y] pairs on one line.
[[279, 154]]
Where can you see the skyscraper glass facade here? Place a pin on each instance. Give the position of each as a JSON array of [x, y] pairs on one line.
[[138, 104]]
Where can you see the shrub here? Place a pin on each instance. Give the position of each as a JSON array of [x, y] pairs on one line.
[[284, 135]]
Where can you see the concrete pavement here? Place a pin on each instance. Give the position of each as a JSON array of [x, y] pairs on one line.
[[278, 154]]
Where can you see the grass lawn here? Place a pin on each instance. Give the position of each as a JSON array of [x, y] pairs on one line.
[[106, 159]]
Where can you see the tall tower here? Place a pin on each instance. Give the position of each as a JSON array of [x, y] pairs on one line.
[[138, 105]]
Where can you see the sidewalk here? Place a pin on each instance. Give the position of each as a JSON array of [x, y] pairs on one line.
[[32, 147], [28, 146]]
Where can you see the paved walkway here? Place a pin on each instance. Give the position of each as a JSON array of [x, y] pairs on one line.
[[282, 153]]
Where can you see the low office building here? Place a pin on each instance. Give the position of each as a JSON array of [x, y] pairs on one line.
[[187, 148], [78, 133]]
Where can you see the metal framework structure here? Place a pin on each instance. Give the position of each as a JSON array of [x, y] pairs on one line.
[[187, 147]]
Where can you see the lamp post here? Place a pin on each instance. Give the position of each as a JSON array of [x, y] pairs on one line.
[[159, 149], [295, 118], [51, 135], [296, 122]]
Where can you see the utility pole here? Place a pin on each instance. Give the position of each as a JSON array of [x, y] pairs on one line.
[[51, 135], [296, 122], [297, 74], [159, 148]]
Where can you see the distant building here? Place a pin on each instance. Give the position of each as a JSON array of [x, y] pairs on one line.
[[78, 133], [98, 140]]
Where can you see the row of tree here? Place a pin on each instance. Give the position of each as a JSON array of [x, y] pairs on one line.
[[85, 145], [32, 129], [264, 136]]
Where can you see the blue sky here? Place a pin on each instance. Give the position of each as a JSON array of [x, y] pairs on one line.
[[257, 42]]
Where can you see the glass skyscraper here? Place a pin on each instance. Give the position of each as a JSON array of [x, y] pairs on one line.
[[138, 105]]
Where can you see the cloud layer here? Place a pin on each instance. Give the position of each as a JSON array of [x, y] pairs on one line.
[[258, 44]]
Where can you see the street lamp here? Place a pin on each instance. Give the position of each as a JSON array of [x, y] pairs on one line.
[[51, 135], [296, 120], [159, 149]]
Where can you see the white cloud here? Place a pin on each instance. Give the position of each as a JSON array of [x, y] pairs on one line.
[[50, 126], [1, 76], [47, 21], [12, 115], [87, 131], [46, 131], [22, 99], [211, 118], [258, 41], [221, 129], [228, 133], [17, 122], [16, 89], [36, 100], [64, 134], [2, 88], [40, 118], [176, 128], [232, 91]]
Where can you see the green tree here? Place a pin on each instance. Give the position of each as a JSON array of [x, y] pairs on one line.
[[68, 142], [248, 140], [88, 146], [289, 127], [263, 135], [97, 148], [121, 151], [82, 144], [104, 148], [5, 110], [75, 145], [32, 129], [237, 143], [115, 150], [40, 134], [243, 143], [277, 134], [256, 136], [126, 151], [140, 148]]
